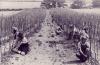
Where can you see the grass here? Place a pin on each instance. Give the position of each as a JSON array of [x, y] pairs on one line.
[[63, 17], [30, 20], [27, 21]]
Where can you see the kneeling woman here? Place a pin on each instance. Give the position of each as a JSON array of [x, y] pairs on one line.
[[22, 45]]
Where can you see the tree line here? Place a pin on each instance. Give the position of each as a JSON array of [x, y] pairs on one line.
[[76, 4]]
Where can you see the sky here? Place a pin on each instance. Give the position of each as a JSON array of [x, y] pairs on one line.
[[19, 4], [21, 0], [22, 4], [16, 5], [37, 0]]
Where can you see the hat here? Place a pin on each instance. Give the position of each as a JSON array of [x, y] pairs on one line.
[[83, 38], [71, 26], [85, 28], [15, 28]]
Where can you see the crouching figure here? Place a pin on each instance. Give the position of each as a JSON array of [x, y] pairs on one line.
[[83, 50], [21, 44]]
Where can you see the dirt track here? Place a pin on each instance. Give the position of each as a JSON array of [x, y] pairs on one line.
[[44, 50]]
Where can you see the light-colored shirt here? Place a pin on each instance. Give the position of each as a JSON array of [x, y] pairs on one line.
[[84, 34], [87, 46], [24, 40]]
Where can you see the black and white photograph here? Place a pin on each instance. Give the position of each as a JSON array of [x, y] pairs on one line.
[[49, 32]]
